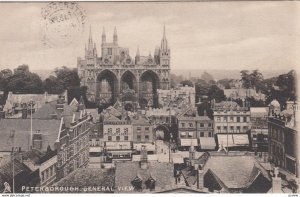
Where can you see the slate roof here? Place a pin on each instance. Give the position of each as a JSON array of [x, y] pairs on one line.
[[23, 175], [48, 129], [48, 109], [86, 177], [141, 120], [235, 171], [39, 99], [162, 173]]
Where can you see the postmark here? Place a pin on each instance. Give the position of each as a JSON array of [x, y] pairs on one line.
[[63, 23]]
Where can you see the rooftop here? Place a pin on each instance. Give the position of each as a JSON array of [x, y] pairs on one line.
[[235, 171], [85, 177], [162, 173], [48, 129]]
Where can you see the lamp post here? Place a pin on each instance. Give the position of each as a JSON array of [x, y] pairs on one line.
[[31, 105]]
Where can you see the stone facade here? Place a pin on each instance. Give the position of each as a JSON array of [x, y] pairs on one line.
[[73, 143], [116, 75], [283, 135], [231, 118]]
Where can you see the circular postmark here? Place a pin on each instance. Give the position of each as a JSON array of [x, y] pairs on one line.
[[63, 23]]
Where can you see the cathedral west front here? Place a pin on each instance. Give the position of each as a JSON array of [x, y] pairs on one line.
[[116, 76]]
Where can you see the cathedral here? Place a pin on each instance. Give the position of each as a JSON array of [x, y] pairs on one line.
[[114, 75]]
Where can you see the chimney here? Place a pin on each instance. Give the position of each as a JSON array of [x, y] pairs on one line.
[[289, 105], [276, 182], [37, 140], [46, 97], [191, 153], [200, 178], [144, 158], [24, 113], [60, 103]]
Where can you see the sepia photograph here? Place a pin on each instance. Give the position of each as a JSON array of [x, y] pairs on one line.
[[149, 97]]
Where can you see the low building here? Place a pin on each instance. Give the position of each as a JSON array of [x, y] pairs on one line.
[[144, 176], [243, 93], [143, 133], [283, 137], [16, 103], [22, 176], [195, 130], [186, 94], [221, 173], [45, 163], [117, 136]]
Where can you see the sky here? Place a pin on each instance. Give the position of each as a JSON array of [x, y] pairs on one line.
[[201, 35]]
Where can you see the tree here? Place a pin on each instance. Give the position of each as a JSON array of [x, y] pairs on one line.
[[52, 86], [22, 69], [286, 89], [24, 82], [201, 88], [207, 77], [252, 80], [67, 77], [214, 92], [187, 83], [226, 83], [175, 80]]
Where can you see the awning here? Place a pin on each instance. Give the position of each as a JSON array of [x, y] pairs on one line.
[[233, 140], [95, 149], [188, 142], [222, 140], [207, 143], [149, 158], [241, 139], [117, 145], [183, 133], [178, 160], [148, 146], [191, 133]]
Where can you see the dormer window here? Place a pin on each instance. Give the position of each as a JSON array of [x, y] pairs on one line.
[[137, 183], [150, 183]]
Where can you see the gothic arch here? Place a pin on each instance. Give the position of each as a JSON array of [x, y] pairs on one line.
[[128, 80], [149, 83], [107, 87]]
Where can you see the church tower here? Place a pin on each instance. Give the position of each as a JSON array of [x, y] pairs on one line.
[[164, 58]]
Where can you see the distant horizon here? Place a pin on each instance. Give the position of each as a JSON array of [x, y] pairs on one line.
[[216, 73]]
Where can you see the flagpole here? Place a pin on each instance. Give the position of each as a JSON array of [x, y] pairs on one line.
[[13, 160]]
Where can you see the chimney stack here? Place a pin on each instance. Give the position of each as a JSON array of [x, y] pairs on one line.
[[276, 182], [24, 113], [200, 181], [144, 158]]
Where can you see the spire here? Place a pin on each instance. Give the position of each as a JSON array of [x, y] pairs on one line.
[[103, 36], [90, 43], [90, 35], [115, 36], [138, 51], [164, 42], [137, 57], [164, 36]]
